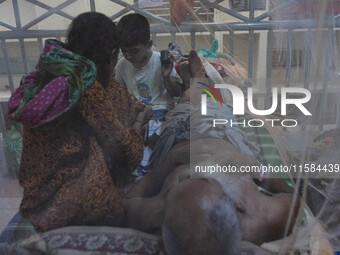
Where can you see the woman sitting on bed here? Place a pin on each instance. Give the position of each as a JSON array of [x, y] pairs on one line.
[[82, 131]]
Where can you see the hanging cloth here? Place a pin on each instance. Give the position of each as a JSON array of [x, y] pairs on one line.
[[180, 9]]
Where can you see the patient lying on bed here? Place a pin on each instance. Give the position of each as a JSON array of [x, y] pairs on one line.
[[206, 215]]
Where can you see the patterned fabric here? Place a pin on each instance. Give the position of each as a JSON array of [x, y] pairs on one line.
[[67, 175], [87, 240], [54, 88]]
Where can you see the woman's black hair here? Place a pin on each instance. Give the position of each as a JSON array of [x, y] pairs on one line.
[[94, 36]]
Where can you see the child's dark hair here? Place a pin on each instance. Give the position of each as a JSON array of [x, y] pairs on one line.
[[94, 36], [133, 29]]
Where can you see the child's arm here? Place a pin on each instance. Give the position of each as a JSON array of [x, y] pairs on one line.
[[173, 85]]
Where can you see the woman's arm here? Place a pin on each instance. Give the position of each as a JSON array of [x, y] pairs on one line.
[[123, 142]]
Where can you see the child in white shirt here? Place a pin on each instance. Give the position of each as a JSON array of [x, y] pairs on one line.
[[154, 82]]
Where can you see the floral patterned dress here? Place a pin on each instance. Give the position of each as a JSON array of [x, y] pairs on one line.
[[69, 175]]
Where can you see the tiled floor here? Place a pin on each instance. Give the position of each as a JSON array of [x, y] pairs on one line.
[[10, 193]]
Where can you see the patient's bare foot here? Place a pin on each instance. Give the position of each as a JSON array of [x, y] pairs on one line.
[[185, 74], [193, 94], [196, 67]]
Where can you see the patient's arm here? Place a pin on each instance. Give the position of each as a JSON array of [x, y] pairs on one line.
[[145, 214], [275, 185], [151, 184], [264, 217]]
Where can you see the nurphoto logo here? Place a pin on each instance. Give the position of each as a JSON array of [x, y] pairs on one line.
[[239, 102]]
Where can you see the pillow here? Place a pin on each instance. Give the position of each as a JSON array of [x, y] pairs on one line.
[[86, 240]]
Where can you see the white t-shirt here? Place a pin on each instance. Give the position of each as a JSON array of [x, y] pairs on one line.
[[147, 83]]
